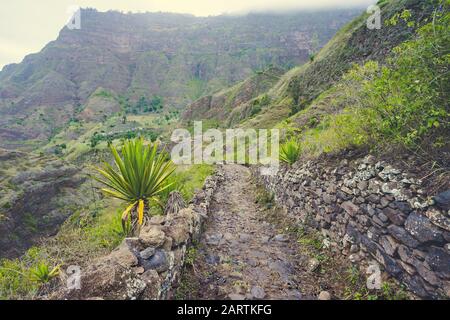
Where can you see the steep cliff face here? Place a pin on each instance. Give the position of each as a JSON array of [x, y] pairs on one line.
[[178, 57]]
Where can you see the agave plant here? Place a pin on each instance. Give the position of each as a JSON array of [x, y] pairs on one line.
[[139, 178], [290, 151], [43, 274]]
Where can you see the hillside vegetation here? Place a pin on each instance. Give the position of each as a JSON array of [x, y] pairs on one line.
[[399, 104], [380, 89], [383, 91], [119, 62], [402, 102], [92, 230], [230, 106]]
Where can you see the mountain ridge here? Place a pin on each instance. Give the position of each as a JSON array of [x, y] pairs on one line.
[[179, 58]]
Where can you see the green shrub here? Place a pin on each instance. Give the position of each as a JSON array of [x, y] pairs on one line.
[[408, 99], [404, 102], [266, 199], [130, 134], [144, 105], [186, 180], [335, 133], [42, 273], [16, 275]]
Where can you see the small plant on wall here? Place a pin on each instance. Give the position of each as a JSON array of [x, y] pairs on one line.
[[290, 151]]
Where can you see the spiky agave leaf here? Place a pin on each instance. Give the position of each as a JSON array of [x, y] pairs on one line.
[[126, 213], [141, 212], [55, 272]]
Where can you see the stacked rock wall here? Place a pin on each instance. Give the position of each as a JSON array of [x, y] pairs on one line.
[[368, 209], [149, 266]]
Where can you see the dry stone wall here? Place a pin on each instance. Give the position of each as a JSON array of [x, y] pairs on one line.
[[149, 266], [367, 209]]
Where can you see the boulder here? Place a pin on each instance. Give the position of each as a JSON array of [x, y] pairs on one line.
[[158, 261], [442, 200], [147, 253], [258, 292], [422, 229], [152, 236], [395, 216], [281, 238], [389, 245], [123, 255], [438, 218], [313, 264], [439, 261], [179, 232], [403, 236], [324, 295]]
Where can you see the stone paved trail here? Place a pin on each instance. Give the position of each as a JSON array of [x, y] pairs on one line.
[[241, 256]]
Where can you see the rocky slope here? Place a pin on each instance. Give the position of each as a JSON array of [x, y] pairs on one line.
[[178, 57], [37, 194], [229, 106]]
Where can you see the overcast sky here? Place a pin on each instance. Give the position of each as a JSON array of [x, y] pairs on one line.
[[27, 25]]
